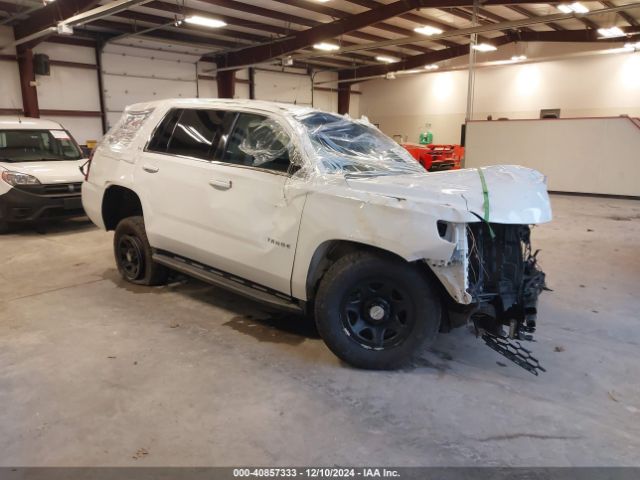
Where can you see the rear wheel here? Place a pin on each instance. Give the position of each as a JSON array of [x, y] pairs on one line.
[[133, 254], [374, 311]]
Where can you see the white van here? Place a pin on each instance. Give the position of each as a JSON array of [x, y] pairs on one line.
[[40, 176]]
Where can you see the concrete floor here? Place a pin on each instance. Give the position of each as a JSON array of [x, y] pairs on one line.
[[94, 371]]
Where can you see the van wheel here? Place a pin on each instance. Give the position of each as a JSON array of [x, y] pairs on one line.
[[374, 311], [133, 254]]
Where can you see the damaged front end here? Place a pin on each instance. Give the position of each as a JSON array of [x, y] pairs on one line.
[[504, 281], [499, 294]]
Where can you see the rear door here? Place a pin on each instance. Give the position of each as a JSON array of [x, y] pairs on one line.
[[172, 175]]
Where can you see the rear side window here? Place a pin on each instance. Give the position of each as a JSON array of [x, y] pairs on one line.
[[161, 136], [188, 132], [123, 133]]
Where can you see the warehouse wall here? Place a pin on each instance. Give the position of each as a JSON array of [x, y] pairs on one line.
[[586, 155], [605, 85], [10, 97]]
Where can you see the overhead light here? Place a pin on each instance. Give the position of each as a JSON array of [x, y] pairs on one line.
[[632, 47], [205, 21], [385, 59], [611, 32], [63, 29], [322, 1], [287, 61], [433, 66], [518, 58], [575, 7], [484, 47], [411, 71], [428, 30], [327, 47], [48, 1]]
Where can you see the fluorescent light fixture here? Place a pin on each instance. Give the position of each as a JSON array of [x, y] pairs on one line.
[[611, 32], [205, 21], [632, 47], [575, 7], [433, 66], [327, 47], [410, 71], [518, 58], [484, 47], [322, 1], [428, 30], [385, 59]]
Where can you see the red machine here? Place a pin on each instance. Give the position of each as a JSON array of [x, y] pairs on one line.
[[436, 158]]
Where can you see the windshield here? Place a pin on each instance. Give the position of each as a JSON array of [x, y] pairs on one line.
[[37, 145], [356, 148]]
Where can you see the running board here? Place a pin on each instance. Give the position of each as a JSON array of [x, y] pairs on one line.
[[228, 281]]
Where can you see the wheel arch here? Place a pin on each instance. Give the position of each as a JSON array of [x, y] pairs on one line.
[[119, 202], [329, 251]]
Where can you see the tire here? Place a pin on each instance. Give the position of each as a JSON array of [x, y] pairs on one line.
[[375, 312], [133, 254]]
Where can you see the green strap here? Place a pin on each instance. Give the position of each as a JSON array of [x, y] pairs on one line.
[[485, 203]]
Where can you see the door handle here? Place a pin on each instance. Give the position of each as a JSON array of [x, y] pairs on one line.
[[150, 168], [221, 184]]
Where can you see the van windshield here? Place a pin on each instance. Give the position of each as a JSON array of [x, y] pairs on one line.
[[37, 145]]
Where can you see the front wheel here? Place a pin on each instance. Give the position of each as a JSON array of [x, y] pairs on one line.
[[374, 311], [133, 254]]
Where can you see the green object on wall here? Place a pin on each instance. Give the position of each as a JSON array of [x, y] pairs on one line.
[[426, 138]]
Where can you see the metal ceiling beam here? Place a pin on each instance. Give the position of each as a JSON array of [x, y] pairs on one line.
[[335, 14], [322, 32], [527, 14], [510, 25], [588, 35], [417, 61], [39, 24], [238, 21], [166, 34], [412, 17], [624, 15], [70, 13], [158, 20]]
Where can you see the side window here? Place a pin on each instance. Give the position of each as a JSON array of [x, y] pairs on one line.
[[258, 141], [162, 134], [196, 133]]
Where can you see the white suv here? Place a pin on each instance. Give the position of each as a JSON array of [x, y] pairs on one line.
[[39, 171], [317, 213]]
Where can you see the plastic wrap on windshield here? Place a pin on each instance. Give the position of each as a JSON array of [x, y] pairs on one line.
[[347, 147], [265, 141], [125, 131]]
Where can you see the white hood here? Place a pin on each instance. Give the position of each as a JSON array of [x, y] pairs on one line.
[[49, 171], [517, 195]]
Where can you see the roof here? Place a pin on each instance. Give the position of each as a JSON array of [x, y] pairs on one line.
[[274, 107], [14, 122]]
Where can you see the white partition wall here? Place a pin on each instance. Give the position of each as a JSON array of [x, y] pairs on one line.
[[584, 155]]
